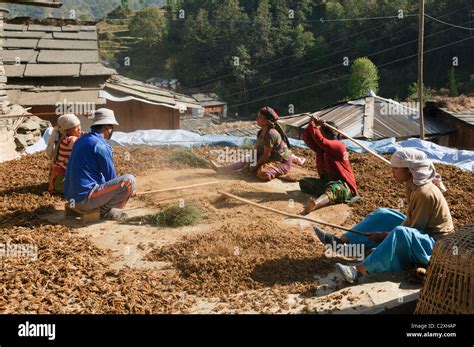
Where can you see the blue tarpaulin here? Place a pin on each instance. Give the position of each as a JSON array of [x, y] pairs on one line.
[[460, 158], [439, 154]]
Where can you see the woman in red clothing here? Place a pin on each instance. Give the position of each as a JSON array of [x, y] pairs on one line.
[[336, 183]]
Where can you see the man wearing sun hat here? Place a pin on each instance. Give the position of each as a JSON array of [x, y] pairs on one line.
[[91, 181]]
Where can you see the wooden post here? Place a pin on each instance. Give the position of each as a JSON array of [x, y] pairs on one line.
[[421, 37]]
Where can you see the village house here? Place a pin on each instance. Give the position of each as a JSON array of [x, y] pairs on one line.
[[52, 66], [460, 118]]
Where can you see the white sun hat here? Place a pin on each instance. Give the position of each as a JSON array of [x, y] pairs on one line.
[[104, 116], [67, 121]]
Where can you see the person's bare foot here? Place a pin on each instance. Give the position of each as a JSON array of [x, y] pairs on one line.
[[416, 275], [114, 214], [310, 205]]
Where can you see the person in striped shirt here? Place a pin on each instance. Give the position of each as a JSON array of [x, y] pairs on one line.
[[59, 149]]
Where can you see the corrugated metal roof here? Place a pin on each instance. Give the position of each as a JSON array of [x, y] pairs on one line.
[[390, 119], [403, 122], [346, 116], [466, 116]]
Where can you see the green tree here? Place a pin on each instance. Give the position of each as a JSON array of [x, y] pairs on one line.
[[413, 92], [364, 76], [125, 5], [150, 25], [121, 11], [335, 10], [278, 42], [194, 40], [262, 45], [241, 64], [452, 83], [282, 28], [241, 70], [230, 19], [302, 41]]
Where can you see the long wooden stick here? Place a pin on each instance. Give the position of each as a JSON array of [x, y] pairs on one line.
[[291, 215], [178, 188], [356, 142]]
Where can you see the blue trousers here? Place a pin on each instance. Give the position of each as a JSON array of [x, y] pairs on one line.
[[402, 247]]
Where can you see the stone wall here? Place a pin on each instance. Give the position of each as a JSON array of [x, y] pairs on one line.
[[7, 140], [15, 134], [3, 77]]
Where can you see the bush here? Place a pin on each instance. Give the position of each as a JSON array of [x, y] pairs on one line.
[[413, 92]]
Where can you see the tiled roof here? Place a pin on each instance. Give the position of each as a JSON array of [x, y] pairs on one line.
[[122, 86], [51, 50]]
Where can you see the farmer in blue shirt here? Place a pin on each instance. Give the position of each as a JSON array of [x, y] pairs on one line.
[[91, 181]]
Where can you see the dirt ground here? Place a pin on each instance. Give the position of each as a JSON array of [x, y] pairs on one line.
[[238, 259]]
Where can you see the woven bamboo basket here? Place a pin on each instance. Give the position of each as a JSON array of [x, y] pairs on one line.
[[449, 281]]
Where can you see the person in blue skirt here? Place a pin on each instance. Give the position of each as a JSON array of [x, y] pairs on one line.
[[400, 240]]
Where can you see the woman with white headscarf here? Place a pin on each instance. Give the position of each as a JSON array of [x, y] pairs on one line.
[[60, 145], [401, 241]]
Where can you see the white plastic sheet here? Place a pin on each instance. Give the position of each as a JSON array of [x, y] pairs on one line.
[[460, 158]]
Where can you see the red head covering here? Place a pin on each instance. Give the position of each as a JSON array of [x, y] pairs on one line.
[[269, 113], [272, 116]]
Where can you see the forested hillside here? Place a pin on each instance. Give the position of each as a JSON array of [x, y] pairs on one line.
[[291, 53], [90, 9]]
